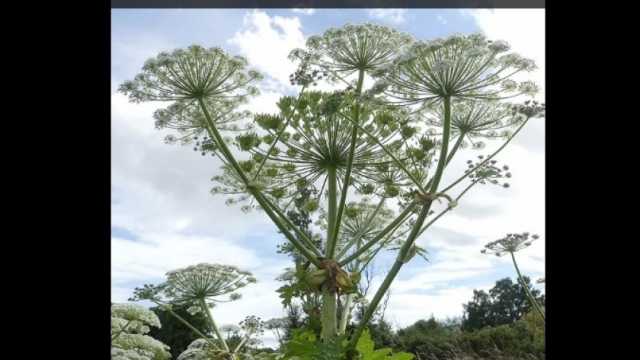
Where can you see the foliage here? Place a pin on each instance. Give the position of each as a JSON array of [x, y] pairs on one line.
[[365, 347], [305, 345], [505, 303], [433, 340]]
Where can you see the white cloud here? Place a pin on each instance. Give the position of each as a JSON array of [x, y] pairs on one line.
[[441, 19], [266, 43], [304, 11], [395, 16], [524, 29]]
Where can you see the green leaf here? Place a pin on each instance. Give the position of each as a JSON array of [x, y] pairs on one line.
[[365, 344], [365, 347]]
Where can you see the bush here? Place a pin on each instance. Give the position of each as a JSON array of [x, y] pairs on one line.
[[432, 340]]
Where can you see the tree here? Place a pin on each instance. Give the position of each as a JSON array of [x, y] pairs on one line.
[[350, 143], [505, 303], [175, 333]]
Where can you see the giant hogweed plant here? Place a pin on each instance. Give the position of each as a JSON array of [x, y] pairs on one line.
[[389, 142], [199, 288]]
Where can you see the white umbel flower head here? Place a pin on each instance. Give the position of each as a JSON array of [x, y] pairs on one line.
[[366, 47], [475, 119], [461, 66], [205, 282], [134, 312], [511, 243], [190, 74]]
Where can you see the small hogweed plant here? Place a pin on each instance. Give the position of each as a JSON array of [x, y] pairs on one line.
[[510, 244], [400, 111], [199, 288], [248, 332], [129, 325]]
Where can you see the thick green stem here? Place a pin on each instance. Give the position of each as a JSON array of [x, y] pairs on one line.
[[212, 324], [264, 202], [329, 316], [406, 246], [533, 301]]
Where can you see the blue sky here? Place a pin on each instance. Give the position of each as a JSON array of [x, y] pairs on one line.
[[163, 216]]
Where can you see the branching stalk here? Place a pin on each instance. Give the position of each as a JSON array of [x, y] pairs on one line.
[[406, 246]]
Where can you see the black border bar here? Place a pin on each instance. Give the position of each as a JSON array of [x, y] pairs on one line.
[[325, 4]]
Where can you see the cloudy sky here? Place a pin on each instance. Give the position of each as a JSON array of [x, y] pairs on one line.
[[164, 218]]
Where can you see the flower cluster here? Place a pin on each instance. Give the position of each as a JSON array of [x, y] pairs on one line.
[[476, 119], [132, 318], [460, 66], [205, 281], [485, 172], [509, 244], [313, 135], [304, 77], [193, 285], [252, 326], [189, 121], [201, 349], [191, 74], [365, 47], [138, 347], [530, 109]]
